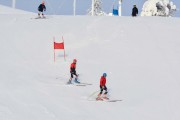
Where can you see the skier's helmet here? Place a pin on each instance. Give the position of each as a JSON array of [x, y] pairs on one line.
[[74, 61], [104, 74]]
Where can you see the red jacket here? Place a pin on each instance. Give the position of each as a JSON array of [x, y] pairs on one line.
[[102, 81], [73, 67]]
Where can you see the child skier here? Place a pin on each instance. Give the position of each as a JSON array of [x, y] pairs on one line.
[[41, 8], [103, 87], [73, 72]]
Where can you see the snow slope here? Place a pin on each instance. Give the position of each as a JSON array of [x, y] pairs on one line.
[[7, 10], [140, 55]]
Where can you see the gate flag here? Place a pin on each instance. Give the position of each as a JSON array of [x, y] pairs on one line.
[[58, 46]]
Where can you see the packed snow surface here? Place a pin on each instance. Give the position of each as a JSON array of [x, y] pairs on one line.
[[141, 57]]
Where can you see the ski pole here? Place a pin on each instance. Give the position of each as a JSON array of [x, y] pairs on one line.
[[93, 94]]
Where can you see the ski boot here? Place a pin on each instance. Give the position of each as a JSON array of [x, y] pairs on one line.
[[43, 16], [39, 16], [105, 96], [99, 97], [69, 82], [76, 81]]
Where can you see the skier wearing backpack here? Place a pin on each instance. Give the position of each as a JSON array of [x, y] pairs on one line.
[[73, 72], [41, 8], [103, 87]]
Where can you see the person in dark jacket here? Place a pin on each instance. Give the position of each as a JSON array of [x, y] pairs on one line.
[[134, 11], [41, 8]]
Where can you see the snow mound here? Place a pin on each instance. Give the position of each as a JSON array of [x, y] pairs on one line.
[[158, 8]]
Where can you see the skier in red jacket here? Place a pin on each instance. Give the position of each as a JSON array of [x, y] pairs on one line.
[[73, 72], [103, 87]]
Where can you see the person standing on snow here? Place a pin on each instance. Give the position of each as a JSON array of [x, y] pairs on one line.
[[102, 87], [73, 72], [41, 8], [134, 11]]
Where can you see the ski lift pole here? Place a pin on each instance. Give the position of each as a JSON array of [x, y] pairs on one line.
[[120, 7], [14, 4], [92, 9], [74, 8]]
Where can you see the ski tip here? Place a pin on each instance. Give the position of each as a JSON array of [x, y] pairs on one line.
[[99, 99]]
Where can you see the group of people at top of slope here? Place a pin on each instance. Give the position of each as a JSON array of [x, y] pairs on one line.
[[42, 8], [102, 80]]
